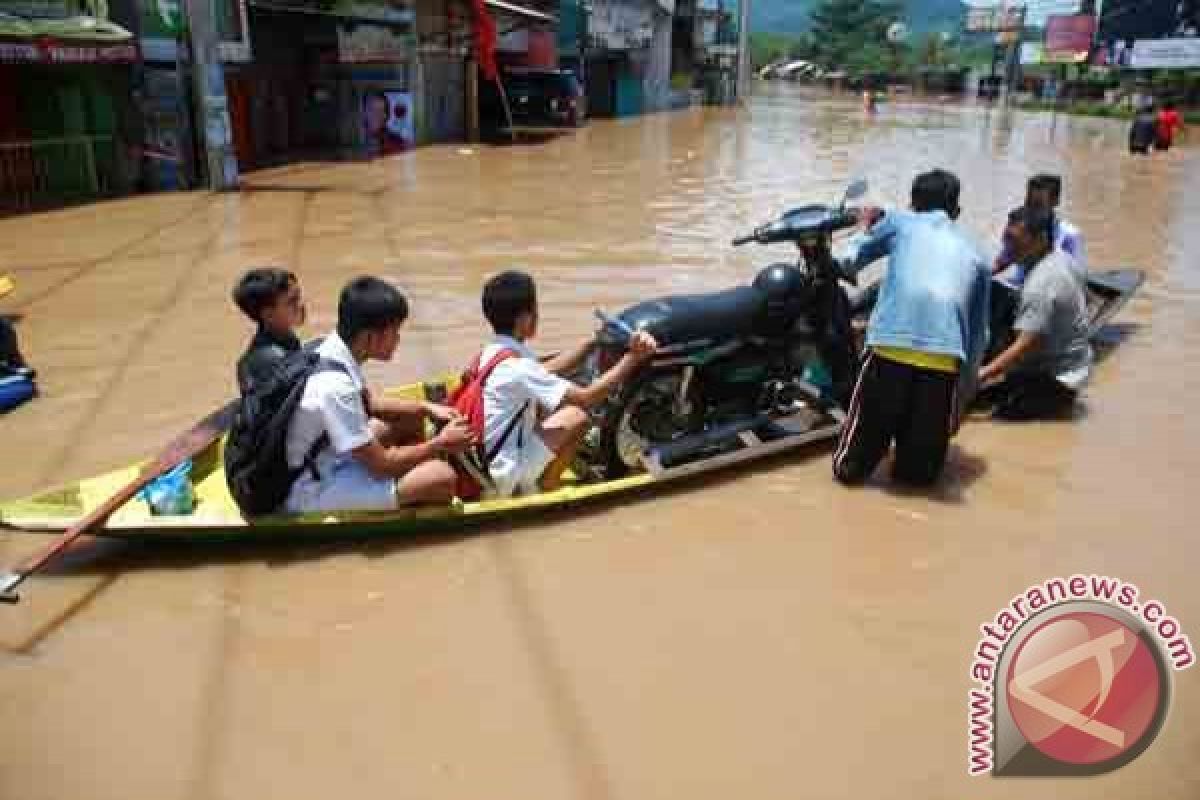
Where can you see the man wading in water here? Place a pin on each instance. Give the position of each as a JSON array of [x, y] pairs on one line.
[[924, 340], [1041, 372]]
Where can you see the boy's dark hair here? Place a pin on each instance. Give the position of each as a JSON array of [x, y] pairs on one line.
[[936, 190], [1037, 221], [260, 288], [1045, 182], [368, 303], [507, 296]]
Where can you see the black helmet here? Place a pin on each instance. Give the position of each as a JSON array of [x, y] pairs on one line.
[[788, 289]]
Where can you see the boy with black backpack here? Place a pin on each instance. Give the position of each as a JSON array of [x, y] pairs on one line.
[[313, 439]]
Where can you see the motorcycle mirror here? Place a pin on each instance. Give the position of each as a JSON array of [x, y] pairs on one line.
[[856, 189]]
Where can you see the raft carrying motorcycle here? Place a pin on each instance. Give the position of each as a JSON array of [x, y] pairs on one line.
[[741, 374]]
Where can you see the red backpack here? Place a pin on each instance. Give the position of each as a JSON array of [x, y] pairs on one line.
[[467, 399]]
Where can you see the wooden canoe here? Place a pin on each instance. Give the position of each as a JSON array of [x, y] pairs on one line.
[[216, 516]]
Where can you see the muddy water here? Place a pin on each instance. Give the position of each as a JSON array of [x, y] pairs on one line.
[[764, 635]]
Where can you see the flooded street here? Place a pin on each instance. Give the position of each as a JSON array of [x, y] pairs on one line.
[[765, 634]]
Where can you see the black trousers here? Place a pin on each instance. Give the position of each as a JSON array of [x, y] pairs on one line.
[[916, 408], [1025, 396]]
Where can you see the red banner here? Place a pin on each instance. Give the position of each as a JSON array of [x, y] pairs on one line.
[[1069, 35], [485, 41], [58, 51]]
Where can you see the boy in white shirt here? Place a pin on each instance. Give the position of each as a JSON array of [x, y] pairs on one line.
[[360, 453], [535, 420]]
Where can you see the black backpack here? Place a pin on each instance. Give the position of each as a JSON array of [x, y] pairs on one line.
[[256, 466]]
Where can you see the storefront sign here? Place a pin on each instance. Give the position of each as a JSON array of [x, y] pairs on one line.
[[992, 19], [61, 53], [162, 19], [621, 25], [14, 53], [1131, 20], [1070, 33], [50, 51], [1039, 12], [387, 122], [162, 22], [1069, 38], [372, 44], [1165, 54], [40, 9]]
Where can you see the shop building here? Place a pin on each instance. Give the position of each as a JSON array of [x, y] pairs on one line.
[[629, 57], [69, 128], [315, 80]]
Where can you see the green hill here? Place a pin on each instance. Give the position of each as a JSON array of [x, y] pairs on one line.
[[789, 17]]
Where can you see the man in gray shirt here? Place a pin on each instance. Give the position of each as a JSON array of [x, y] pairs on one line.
[[1041, 372]]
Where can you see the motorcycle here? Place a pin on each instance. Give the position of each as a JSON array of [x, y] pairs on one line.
[[733, 364]]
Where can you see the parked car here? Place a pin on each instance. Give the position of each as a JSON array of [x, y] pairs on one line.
[[541, 101]]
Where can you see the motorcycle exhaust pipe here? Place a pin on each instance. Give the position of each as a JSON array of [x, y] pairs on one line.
[[721, 439]]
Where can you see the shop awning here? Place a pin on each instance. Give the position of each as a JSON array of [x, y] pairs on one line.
[[88, 29], [14, 26], [520, 11], [74, 40]]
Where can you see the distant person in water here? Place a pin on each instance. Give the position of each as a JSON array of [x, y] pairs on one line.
[[1168, 124], [11, 360], [1143, 131], [869, 102]]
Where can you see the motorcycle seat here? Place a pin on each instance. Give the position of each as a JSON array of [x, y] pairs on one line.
[[686, 318]]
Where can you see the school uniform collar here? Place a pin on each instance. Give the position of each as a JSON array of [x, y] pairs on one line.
[[509, 343], [335, 349]]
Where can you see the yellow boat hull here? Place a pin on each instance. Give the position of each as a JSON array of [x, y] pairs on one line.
[[216, 516]]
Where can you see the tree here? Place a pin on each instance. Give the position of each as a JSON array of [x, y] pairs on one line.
[[850, 34], [767, 48], [804, 47]]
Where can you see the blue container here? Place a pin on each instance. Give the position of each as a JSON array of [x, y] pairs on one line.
[[14, 390]]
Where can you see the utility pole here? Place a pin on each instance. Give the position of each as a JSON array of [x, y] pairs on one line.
[[209, 98], [1012, 56], [743, 63]]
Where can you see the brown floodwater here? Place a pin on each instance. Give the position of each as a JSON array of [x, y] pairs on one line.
[[767, 634]]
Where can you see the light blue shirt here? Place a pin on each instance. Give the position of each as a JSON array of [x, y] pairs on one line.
[[934, 295]]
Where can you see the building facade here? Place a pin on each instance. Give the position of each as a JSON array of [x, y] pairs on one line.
[[69, 126]]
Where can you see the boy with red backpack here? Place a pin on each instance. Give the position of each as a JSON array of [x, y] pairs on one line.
[[531, 419]]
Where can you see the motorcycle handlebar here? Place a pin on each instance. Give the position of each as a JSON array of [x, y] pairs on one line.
[[846, 218], [618, 325], [741, 240]]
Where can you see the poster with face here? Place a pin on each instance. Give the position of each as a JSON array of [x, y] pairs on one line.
[[387, 122]]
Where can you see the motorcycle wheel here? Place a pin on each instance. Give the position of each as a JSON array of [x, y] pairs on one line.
[[642, 414]]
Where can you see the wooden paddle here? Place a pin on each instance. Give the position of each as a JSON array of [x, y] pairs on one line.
[[187, 445]]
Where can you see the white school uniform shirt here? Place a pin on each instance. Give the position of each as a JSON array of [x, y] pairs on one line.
[[519, 385], [333, 404], [1069, 239]]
